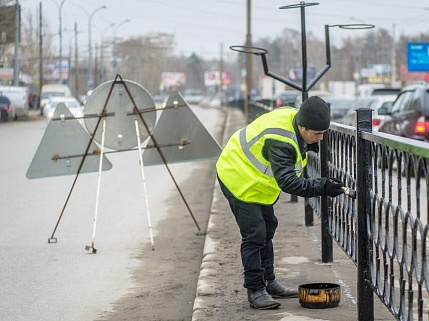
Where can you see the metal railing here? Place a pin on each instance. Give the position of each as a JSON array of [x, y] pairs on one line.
[[385, 230]]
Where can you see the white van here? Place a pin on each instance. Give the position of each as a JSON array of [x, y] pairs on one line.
[[18, 96], [53, 90]]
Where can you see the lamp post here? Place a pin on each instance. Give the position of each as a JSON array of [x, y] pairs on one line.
[[115, 61], [358, 56], [249, 71], [90, 81], [73, 37], [16, 50], [102, 52], [60, 32]]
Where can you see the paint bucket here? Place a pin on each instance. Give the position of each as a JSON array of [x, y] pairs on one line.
[[319, 295]]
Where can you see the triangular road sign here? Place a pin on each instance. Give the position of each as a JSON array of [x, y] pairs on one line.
[[180, 135], [62, 148]]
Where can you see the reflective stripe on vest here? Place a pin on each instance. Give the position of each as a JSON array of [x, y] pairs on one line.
[[247, 145]]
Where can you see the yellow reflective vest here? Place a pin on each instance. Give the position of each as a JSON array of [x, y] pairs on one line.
[[241, 166]]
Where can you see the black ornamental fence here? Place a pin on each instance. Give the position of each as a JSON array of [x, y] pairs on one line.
[[384, 231]]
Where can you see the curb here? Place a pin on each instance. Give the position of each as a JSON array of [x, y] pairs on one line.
[[208, 272]]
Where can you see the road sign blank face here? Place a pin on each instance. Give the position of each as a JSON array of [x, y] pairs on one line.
[[180, 135], [120, 128]]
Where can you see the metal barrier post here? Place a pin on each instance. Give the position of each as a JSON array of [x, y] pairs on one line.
[[363, 183], [326, 238], [308, 210]]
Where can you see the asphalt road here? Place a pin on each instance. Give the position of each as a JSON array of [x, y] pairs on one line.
[[62, 281]]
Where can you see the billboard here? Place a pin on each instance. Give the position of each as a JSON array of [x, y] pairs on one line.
[[6, 73], [212, 78], [51, 69], [418, 56], [7, 24], [173, 79]]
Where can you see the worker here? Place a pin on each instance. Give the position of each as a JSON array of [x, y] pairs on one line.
[[258, 162]]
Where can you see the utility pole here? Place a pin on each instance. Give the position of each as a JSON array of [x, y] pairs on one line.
[[76, 65], [60, 34], [40, 55], [393, 57], [221, 70], [248, 63], [96, 69], [16, 54]]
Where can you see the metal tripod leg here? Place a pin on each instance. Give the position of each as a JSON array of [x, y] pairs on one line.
[[100, 166], [144, 184]]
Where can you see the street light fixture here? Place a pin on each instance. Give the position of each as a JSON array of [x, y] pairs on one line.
[[90, 81], [117, 27], [357, 58], [305, 86], [115, 61]]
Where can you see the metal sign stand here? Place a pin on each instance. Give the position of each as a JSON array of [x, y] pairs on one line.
[[180, 143], [144, 185], [94, 250]]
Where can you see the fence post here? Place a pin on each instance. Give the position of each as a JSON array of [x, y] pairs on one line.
[[308, 210], [364, 179], [326, 238]]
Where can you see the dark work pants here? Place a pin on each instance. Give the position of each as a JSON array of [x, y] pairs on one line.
[[257, 225]]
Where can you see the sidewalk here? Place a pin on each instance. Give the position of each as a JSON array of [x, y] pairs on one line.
[[220, 294]]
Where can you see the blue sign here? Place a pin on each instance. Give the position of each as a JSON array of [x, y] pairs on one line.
[[418, 56]]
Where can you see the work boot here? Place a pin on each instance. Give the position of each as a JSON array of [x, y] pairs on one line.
[[261, 300], [279, 291]]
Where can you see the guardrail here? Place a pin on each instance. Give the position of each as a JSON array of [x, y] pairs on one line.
[[385, 230]]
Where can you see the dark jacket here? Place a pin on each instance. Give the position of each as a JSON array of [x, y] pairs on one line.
[[282, 157]]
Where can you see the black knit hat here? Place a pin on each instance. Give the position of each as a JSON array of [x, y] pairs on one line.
[[314, 114]]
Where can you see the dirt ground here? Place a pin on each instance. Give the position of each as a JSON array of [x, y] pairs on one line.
[[167, 279], [166, 282]]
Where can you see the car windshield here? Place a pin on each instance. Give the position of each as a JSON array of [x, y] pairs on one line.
[[340, 102], [48, 94], [69, 104], [72, 104], [385, 91], [387, 104], [363, 103], [290, 97]]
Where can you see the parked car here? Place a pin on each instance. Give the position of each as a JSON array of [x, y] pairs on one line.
[[380, 106], [388, 91], [71, 103], [340, 105], [6, 109], [53, 90], [320, 93], [376, 90], [381, 109], [18, 96], [409, 116], [193, 96], [216, 101], [286, 98]]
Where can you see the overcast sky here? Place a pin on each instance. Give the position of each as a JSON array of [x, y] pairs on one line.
[[202, 25]]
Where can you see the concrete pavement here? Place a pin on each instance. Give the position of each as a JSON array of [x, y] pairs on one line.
[[220, 294]]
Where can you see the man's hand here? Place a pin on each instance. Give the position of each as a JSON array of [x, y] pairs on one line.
[[334, 187]]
